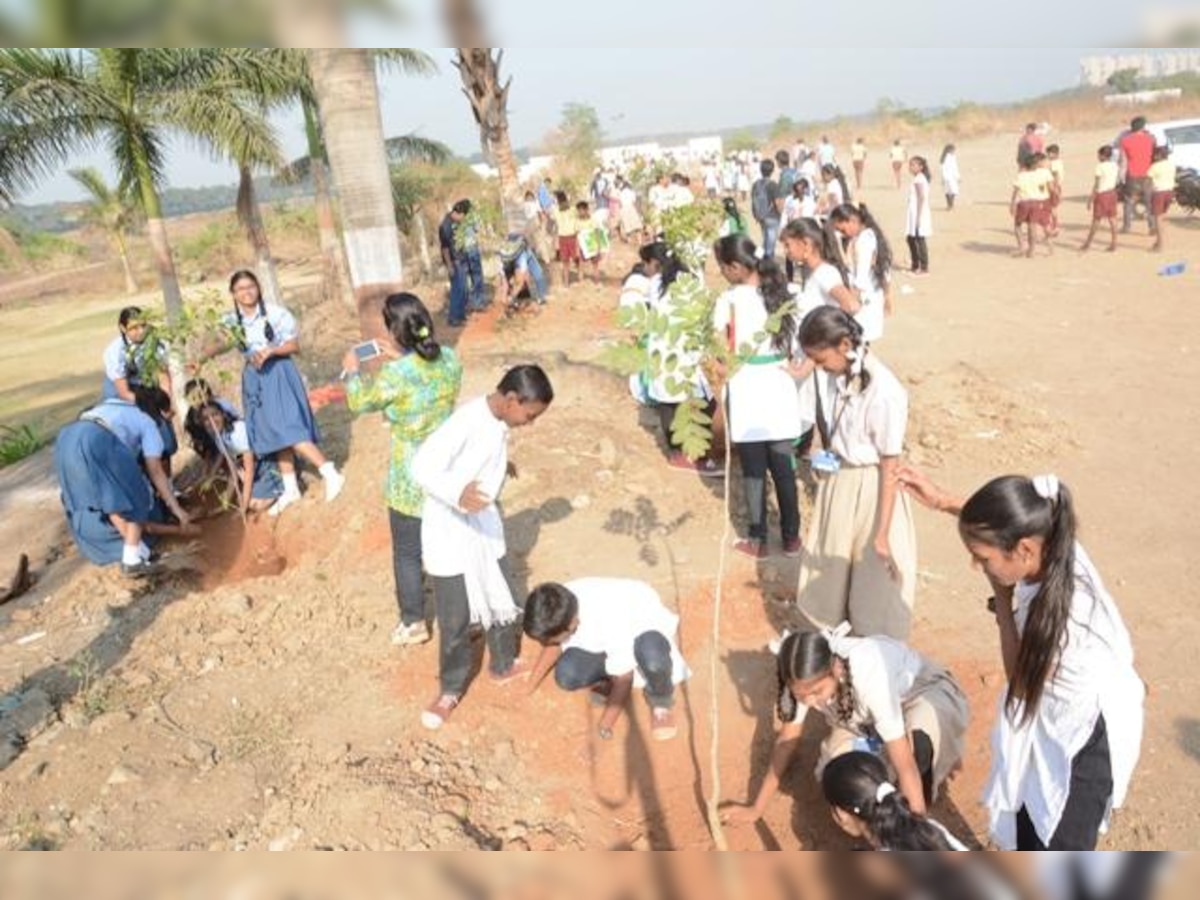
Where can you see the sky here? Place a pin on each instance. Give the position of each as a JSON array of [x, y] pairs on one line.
[[639, 91]]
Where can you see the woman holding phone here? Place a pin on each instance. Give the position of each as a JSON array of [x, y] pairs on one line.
[[416, 392]]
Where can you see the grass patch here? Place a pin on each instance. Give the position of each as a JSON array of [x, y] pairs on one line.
[[18, 442], [41, 247], [210, 244]]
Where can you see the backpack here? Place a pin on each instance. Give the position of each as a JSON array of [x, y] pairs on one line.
[[760, 200]]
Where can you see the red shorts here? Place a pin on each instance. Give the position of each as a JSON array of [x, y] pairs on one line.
[[568, 248], [1161, 202], [1036, 212], [1104, 206]]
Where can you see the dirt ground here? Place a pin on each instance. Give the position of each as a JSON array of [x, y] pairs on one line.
[[252, 700]]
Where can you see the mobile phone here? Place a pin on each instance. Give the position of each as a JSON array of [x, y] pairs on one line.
[[367, 350]]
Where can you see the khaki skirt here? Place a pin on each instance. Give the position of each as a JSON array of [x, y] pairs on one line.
[[842, 578]]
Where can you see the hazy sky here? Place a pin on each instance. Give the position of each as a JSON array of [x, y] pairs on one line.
[[648, 90]]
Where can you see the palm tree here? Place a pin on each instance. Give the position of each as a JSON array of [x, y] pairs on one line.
[[487, 93], [56, 103], [348, 99], [316, 163], [114, 211]]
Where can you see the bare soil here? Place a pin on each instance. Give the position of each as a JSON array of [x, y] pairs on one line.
[[252, 699]]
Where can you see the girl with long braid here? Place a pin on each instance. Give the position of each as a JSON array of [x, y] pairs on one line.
[[279, 420], [877, 694], [1069, 729]]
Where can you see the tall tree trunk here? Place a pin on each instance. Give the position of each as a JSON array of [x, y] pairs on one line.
[[160, 248], [250, 215], [131, 286], [333, 260], [353, 130], [479, 69], [423, 243]]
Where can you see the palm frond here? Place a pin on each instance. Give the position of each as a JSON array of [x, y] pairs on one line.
[[414, 148], [224, 124], [404, 60], [296, 171], [94, 184]]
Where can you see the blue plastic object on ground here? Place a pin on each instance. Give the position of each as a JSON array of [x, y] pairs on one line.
[[1174, 269]]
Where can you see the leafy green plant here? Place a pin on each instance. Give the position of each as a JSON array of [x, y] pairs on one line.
[[18, 442]]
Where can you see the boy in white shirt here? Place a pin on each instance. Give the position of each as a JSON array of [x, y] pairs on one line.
[[462, 468], [609, 634]]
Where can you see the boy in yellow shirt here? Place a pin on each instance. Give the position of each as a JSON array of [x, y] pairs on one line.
[[1103, 201], [1162, 176], [1030, 203]]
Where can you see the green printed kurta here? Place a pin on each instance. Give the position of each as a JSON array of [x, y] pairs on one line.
[[415, 397]]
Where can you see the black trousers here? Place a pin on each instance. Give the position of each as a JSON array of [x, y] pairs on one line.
[[406, 566], [454, 638], [918, 252], [1087, 800], [779, 458]]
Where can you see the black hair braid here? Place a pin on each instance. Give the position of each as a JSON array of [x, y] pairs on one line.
[[773, 287], [268, 331], [844, 701], [786, 705], [896, 827]]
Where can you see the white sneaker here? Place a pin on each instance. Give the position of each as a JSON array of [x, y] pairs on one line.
[[285, 500], [334, 482], [411, 635]]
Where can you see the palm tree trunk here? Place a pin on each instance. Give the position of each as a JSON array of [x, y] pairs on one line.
[[480, 72], [131, 286], [350, 121], [160, 248], [423, 243], [250, 215], [333, 260]]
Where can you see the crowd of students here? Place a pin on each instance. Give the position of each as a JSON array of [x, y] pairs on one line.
[[1132, 171], [807, 390], [809, 385]]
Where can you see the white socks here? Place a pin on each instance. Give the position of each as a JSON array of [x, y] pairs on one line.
[[334, 480], [131, 555], [143, 551]]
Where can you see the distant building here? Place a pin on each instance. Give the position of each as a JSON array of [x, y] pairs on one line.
[[1094, 71]]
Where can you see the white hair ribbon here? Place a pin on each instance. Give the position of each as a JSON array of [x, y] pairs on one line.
[[759, 254], [836, 637], [885, 790], [1046, 487]]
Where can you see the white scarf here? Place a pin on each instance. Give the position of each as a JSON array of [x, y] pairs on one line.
[[488, 595]]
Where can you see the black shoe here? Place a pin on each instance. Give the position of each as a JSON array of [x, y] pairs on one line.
[[141, 569]]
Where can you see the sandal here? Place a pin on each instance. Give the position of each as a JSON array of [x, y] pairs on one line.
[[436, 714]]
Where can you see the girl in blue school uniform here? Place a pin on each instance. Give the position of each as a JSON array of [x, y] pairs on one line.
[[279, 420], [107, 495], [126, 367]]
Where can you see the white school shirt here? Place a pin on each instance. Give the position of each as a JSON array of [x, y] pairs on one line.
[[834, 194], [950, 174], [918, 218], [283, 323], [1093, 676], [826, 154], [865, 425], [817, 292], [133, 428], [763, 403], [118, 354], [884, 673], [615, 612], [471, 445], [237, 439], [870, 291], [659, 198], [635, 291]]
